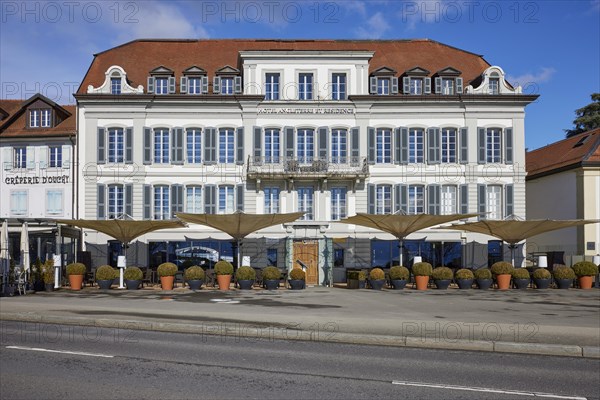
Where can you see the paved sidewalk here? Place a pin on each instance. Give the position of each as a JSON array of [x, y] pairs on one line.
[[558, 322]]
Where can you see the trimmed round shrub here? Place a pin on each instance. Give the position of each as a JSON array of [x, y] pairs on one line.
[[362, 275], [106, 273], [245, 273], [441, 273], [194, 273], [376, 274], [76, 269], [133, 274], [464, 273], [296, 274], [502, 268], [520, 273], [563, 272], [422, 269], [48, 271], [482, 273], [223, 268], [167, 269], [585, 268], [271, 274], [399, 273], [541, 273]]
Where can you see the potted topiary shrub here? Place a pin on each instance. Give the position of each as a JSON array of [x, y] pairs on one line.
[[563, 276], [167, 272], [464, 278], [105, 274], [245, 277], [223, 270], [376, 278], [48, 275], [194, 277], [442, 276], [584, 271], [271, 276], [132, 277], [422, 271], [362, 278], [483, 277], [297, 279], [76, 272], [521, 278], [502, 271], [542, 278], [398, 277]]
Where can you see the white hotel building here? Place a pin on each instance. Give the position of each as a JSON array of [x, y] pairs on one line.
[[330, 128]]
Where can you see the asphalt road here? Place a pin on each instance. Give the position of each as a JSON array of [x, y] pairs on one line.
[[35, 363]]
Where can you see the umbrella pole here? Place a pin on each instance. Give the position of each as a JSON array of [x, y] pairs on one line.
[[122, 266], [238, 253], [401, 252]]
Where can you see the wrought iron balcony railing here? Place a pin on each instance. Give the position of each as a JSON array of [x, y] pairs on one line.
[[298, 167]]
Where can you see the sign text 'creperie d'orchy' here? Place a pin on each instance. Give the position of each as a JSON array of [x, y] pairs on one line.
[[35, 180]]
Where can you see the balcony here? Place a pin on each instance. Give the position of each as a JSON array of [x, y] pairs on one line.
[[295, 167]]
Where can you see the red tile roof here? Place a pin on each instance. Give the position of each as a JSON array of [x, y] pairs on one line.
[[139, 57], [15, 124], [564, 154]]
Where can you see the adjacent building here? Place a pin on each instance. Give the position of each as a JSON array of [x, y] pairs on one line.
[[330, 128]]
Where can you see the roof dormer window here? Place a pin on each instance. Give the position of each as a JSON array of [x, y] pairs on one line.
[[115, 85], [383, 82], [416, 81], [40, 118], [448, 82], [494, 84], [228, 81], [194, 81], [161, 81]]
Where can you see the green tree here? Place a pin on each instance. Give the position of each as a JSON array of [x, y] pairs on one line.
[[588, 117]]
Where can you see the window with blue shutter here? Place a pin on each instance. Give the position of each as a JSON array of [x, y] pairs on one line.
[[427, 82], [433, 145], [150, 84], [464, 143], [464, 199], [210, 146], [257, 145], [128, 200], [147, 146], [147, 201], [482, 201], [323, 141], [371, 145], [394, 85], [433, 199], [240, 146], [355, 144], [373, 85], [239, 196], [289, 142], [403, 145], [459, 85], [481, 154], [176, 199], [509, 200], [210, 200], [406, 85], [508, 145], [238, 84], [438, 85], [129, 145], [216, 85], [101, 201], [371, 198], [171, 84], [101, 146], [183, 84]]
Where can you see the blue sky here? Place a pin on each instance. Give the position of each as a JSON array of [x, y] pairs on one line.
[[551, 48]]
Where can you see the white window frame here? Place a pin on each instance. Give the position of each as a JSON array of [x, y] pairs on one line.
[[384, 85], [493, 85], [336, 85], [383, 146], [19, 157], [161, 193], [115, 85], [449, 145], [272, 146], [448, 200], [272, 84], [193, 199], [162, 140], [226, 199], [161, 85], [493, 145], [193, 145], [34, 118], [383, 199], [227, 145], [306, 202], [305, 145], [55, 156], [339, 146], [447, 86], [416, 145], [305, 86], [115, 137], [227, 85], [194, 85], [271, 202], [493, 202], [115, 196], [416, 199], [45, 117], [339, 201], [416, 85]]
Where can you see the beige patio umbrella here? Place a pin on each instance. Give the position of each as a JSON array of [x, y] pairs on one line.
[[512, 231], [124, 231], [402, 225], [238, 225], [25, 261], [4, 254]]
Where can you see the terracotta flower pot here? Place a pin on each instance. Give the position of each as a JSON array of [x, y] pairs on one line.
[[422, 282], [223, 281], [503, 281], [585, 282], [166, 282], [76, 281]]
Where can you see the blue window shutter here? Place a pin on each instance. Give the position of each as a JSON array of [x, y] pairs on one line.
[[204, 84], [210, 146], [240, 146], [177, 147], [128, 200], [239, 196], [323, 142], [171, 84], [427, 85], [216, 85], [176, 199], [371, 198], [508, 145], [481, 201], [289, 142], [373, 85], [404, 145], [183, 84], [210, 206], [237, 84], [147, 146], [464, 199], [464, 143], [394, 85], [438, 85], [257, 144], [101, 146], [355, 145], [397, 199], [397, 146], [509, 200], [129, 145], [459, 85], [101, 201], [403, 195], [147, 200], [481, 155], [371, 145], [433, 199], [406, 85], [150, 84], [433, 145]]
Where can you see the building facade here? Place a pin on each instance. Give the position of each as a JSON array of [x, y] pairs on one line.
[[329, 128]]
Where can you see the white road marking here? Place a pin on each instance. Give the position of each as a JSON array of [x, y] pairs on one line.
[[487, 390], [77, 353], [225, 301]]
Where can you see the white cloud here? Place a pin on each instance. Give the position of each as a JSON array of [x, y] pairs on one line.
[[423, 11], [544, 75], [375, 27]]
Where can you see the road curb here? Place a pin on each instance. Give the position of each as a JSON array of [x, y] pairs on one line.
[[250, 332]]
